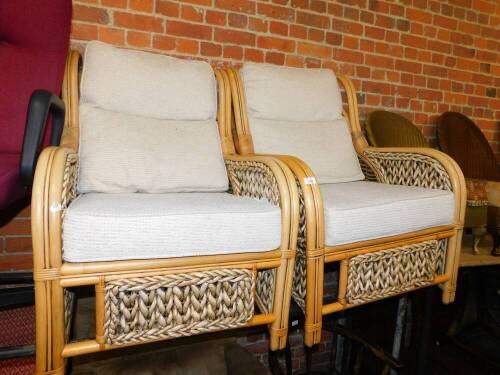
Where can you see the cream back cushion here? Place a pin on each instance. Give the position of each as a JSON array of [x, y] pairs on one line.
[[299, 112], [147, 124]]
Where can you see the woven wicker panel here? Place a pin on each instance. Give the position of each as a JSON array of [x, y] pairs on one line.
[[252, 179], [69, 180], [381, 274], [367, 169], [255, 179], [409, 169], [441, 256], [299, 275], [158, 307], [264, 291], [69, 302]]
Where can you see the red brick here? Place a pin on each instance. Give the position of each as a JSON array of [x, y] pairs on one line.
[[187, 46], [418, 15], [163, 42], [112, 36], [83, 31], [347, 27], [16, 262], [408, 66], [316, 35], [239, 21], [315, 50], [255, 55], [275, 58], [311, 19], [280, 28], [115, 3], [256, 24], [167, 8], [242, 6], [233, 52], [297, 31], [17, 245], [274, 11], [16, 227], [191, 13], [138, 39], [445, 22], [294, 61], [210, 49], [138, 22], [215, 18], [189, 30], [349, 56], [90, 14], [268, 42], [234, 37], [142, 5]]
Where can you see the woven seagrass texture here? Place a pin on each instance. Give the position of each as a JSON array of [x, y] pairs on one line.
[[252, 179], [256, 180], [69, 302], [299, 275], [441, 256], [377, 275], [142, 309], [69, 180], [368, 171], [264, 289], [409, 169]]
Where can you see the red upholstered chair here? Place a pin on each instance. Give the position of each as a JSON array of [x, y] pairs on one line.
[[34, 42]]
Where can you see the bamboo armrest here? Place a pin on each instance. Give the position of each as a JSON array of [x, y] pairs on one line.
[[54, 188], [269, 178], [311, 221]]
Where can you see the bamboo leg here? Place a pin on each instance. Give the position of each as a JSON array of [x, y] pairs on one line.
[[451, 267], [314, 300], [278, 331]]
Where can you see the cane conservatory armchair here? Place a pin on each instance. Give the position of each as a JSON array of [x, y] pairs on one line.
[[389, 129], [178, 234], [392, 217]]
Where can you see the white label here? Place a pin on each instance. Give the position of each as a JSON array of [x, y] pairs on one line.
[[295, 323], [309, 181]]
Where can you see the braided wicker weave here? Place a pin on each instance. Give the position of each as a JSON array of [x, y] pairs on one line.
[[256, 180], [369, 173], [69, 302], [377, 275], [299, 276], [70, 180], [409, 169], [157, 307]]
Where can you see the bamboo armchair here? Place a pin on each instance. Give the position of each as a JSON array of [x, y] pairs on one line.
[[192, 295], [377, 268]]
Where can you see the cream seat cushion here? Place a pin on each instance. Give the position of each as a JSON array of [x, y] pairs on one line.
[[147, 124], [299, 112], [362, 210], [107, 227]]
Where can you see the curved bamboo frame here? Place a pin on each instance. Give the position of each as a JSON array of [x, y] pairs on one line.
[[317, 253], [54, 184]]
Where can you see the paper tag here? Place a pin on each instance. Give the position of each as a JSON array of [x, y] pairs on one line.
[[295, 323], [309, 181]]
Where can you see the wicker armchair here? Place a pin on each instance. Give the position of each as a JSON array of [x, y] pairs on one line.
[[371, 268], [389, 129], [145, 291], [460, 138]]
